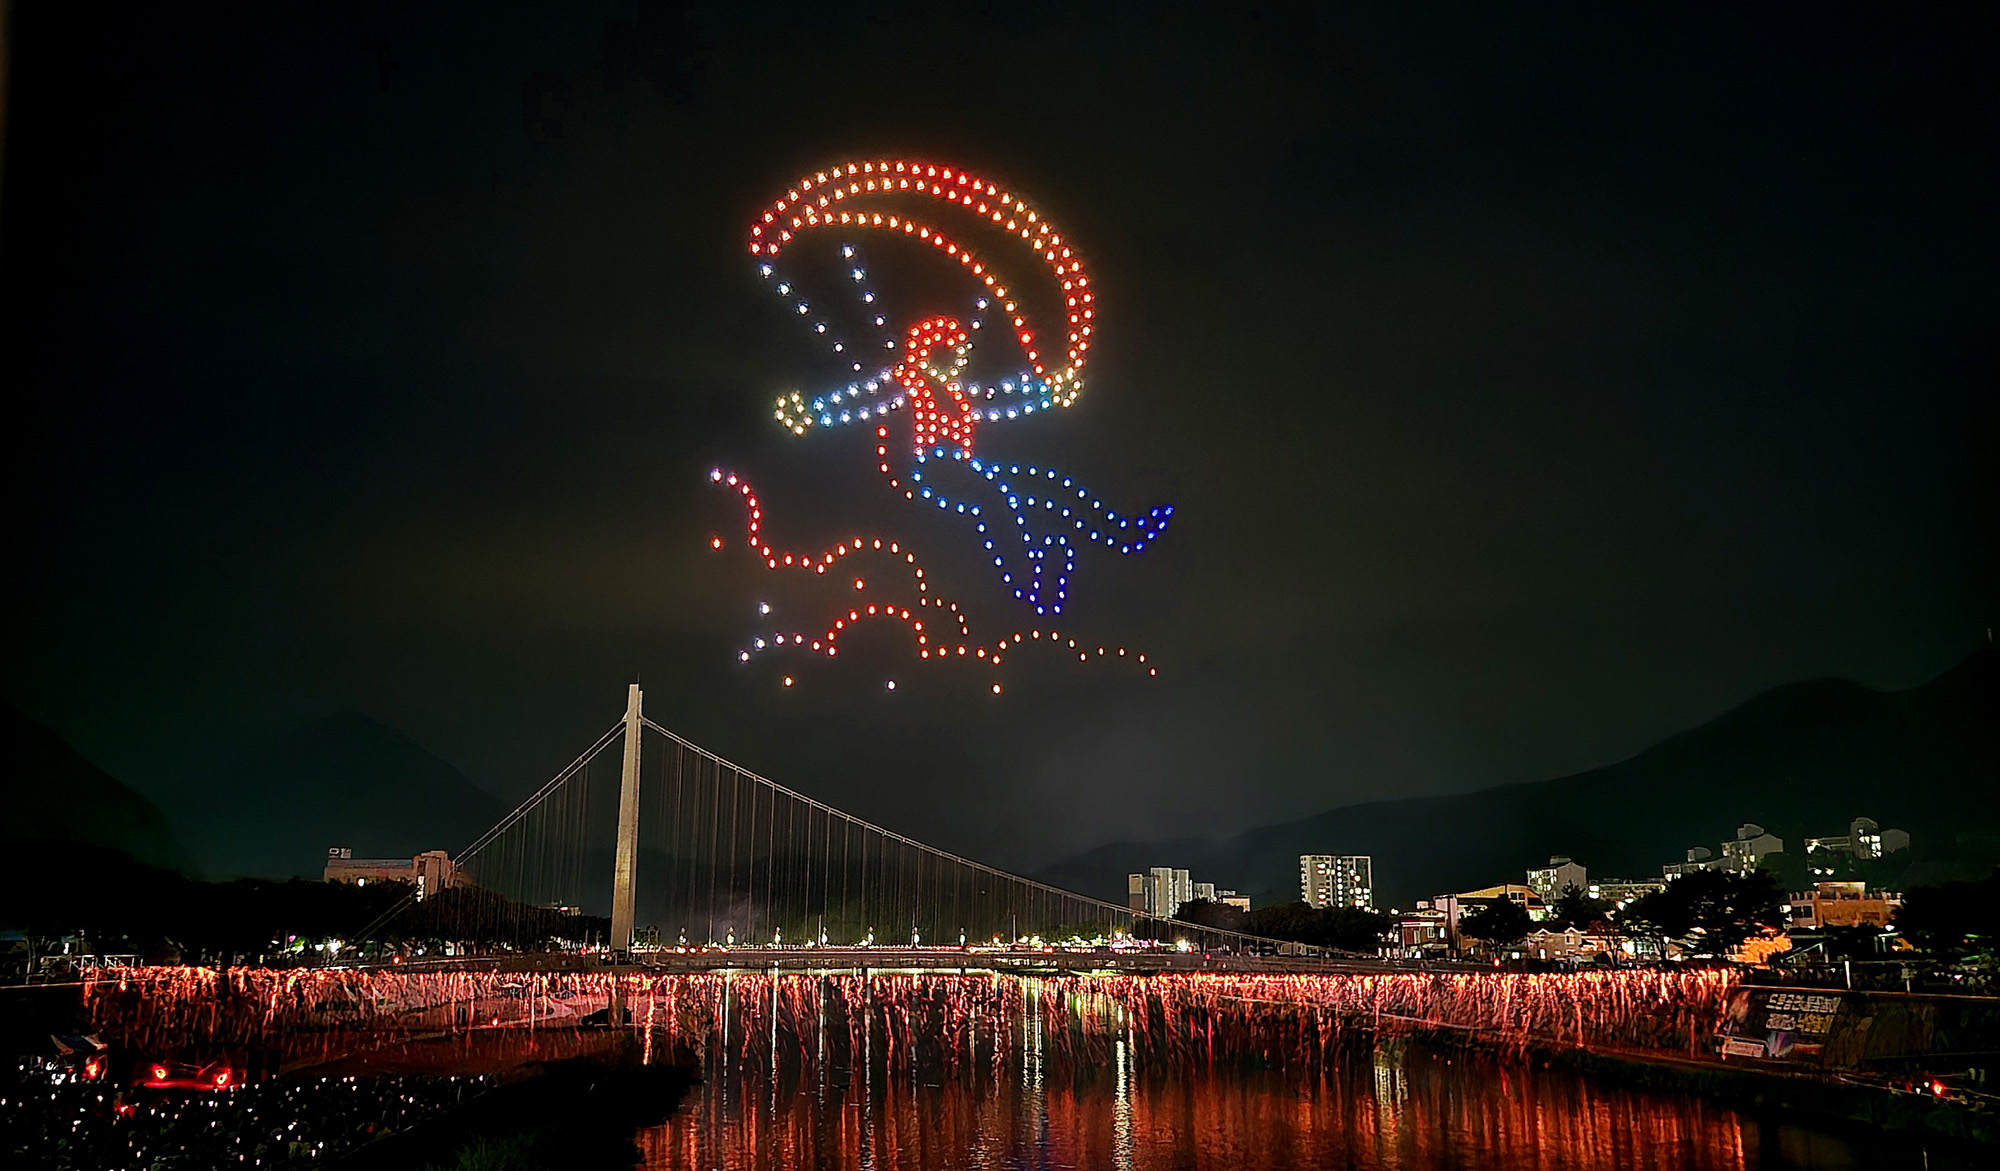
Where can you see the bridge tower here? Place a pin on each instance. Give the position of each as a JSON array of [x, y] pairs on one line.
[[628, 827]]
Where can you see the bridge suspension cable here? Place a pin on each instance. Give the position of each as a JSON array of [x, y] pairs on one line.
[[720, 855], [944, 860]]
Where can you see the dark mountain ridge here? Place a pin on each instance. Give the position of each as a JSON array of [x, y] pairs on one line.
[[1801, 759], [50, 793], [342, 780]]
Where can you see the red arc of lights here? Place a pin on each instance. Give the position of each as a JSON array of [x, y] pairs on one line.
[[929, 645]]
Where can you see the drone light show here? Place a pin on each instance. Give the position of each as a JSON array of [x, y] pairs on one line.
[[950, 375]]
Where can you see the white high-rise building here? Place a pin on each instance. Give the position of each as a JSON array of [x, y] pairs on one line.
[[1160, 891], [1337, 880]]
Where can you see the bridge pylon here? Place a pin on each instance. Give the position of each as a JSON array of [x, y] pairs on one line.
[[747, 858], [622, 893]]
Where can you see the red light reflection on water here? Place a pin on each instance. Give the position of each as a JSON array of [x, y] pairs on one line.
[[895, 1070], [1408, 1108]]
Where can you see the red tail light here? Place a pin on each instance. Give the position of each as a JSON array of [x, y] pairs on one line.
[[222, 1079], [159, 1073]]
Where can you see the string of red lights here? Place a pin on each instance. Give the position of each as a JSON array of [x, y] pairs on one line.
[[1174, 1017], [928, 647]]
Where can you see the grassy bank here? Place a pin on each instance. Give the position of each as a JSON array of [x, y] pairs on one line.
[[1822, 1098], [576, 1114]]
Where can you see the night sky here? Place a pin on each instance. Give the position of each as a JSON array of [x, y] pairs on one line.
[[1529, 386]]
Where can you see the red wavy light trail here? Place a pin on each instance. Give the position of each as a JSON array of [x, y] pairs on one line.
[[828, 643]]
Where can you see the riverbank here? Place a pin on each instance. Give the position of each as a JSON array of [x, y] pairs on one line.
[[578, 1113], [57, 1116], [931, 1066], [1833, 1101], [1821, 1097]]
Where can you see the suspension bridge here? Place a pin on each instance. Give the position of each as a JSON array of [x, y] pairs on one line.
[[704, 864]]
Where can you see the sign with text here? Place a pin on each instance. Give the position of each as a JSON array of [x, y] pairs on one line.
[[1780, 1023]]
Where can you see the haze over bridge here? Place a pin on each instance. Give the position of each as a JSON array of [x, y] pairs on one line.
[[702, 864]]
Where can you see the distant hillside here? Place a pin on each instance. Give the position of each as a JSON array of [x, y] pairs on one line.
[[1801, 759], [344, 780], [49, 793]]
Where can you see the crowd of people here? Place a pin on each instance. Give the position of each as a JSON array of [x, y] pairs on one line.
[[61, 1114]]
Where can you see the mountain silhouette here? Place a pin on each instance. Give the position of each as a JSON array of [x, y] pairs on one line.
[[342, 780], [50, 794], [1801, 759]]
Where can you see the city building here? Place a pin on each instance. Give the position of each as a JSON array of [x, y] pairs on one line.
[[1337, 880], [429, 872], [1230, 898], [1698, 858], [1448, 907], [1559, 875], [1531, 901], [1751, 845], [1422, 932], [1571, 944], [1620, 891], [1158, 892], [1454, 907], [1843, 904], [1205, 891], [1864, 840], [1740, 855]]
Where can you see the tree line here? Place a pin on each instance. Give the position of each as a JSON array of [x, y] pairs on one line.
[[1342, 928], [1707, 913], [122, 906]]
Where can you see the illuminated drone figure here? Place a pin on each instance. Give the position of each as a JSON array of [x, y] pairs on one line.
[[946, 411], [927, 374]]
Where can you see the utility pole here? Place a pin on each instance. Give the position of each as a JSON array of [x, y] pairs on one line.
[[628, 828]]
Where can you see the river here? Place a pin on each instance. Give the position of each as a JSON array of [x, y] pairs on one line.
[[883, 1071], [1403, 1104]]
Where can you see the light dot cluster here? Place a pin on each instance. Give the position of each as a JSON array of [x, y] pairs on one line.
[[856, 400], [55, 1114], [937, 426], [851, 196], [1050, 513], [820, 562], [929, 647], [1072, 510], [861, 399]]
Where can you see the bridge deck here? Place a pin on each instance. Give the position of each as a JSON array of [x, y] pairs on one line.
[[1027, 962]]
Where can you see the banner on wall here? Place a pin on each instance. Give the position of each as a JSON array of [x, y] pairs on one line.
[[1788, 1024]]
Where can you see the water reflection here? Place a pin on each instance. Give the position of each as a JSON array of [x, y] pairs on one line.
[[1019, 1105], [489, 1051], [893, 1070]]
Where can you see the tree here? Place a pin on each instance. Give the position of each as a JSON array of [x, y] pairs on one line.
[[1500, 923], [1209, 913], [1709, 912], [1790, 870], [1294, 921], [1659, 916], [1953, 919], [1730, 908], [1855, 942], [1573, 908], [1353, 928], [1347, 928]]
